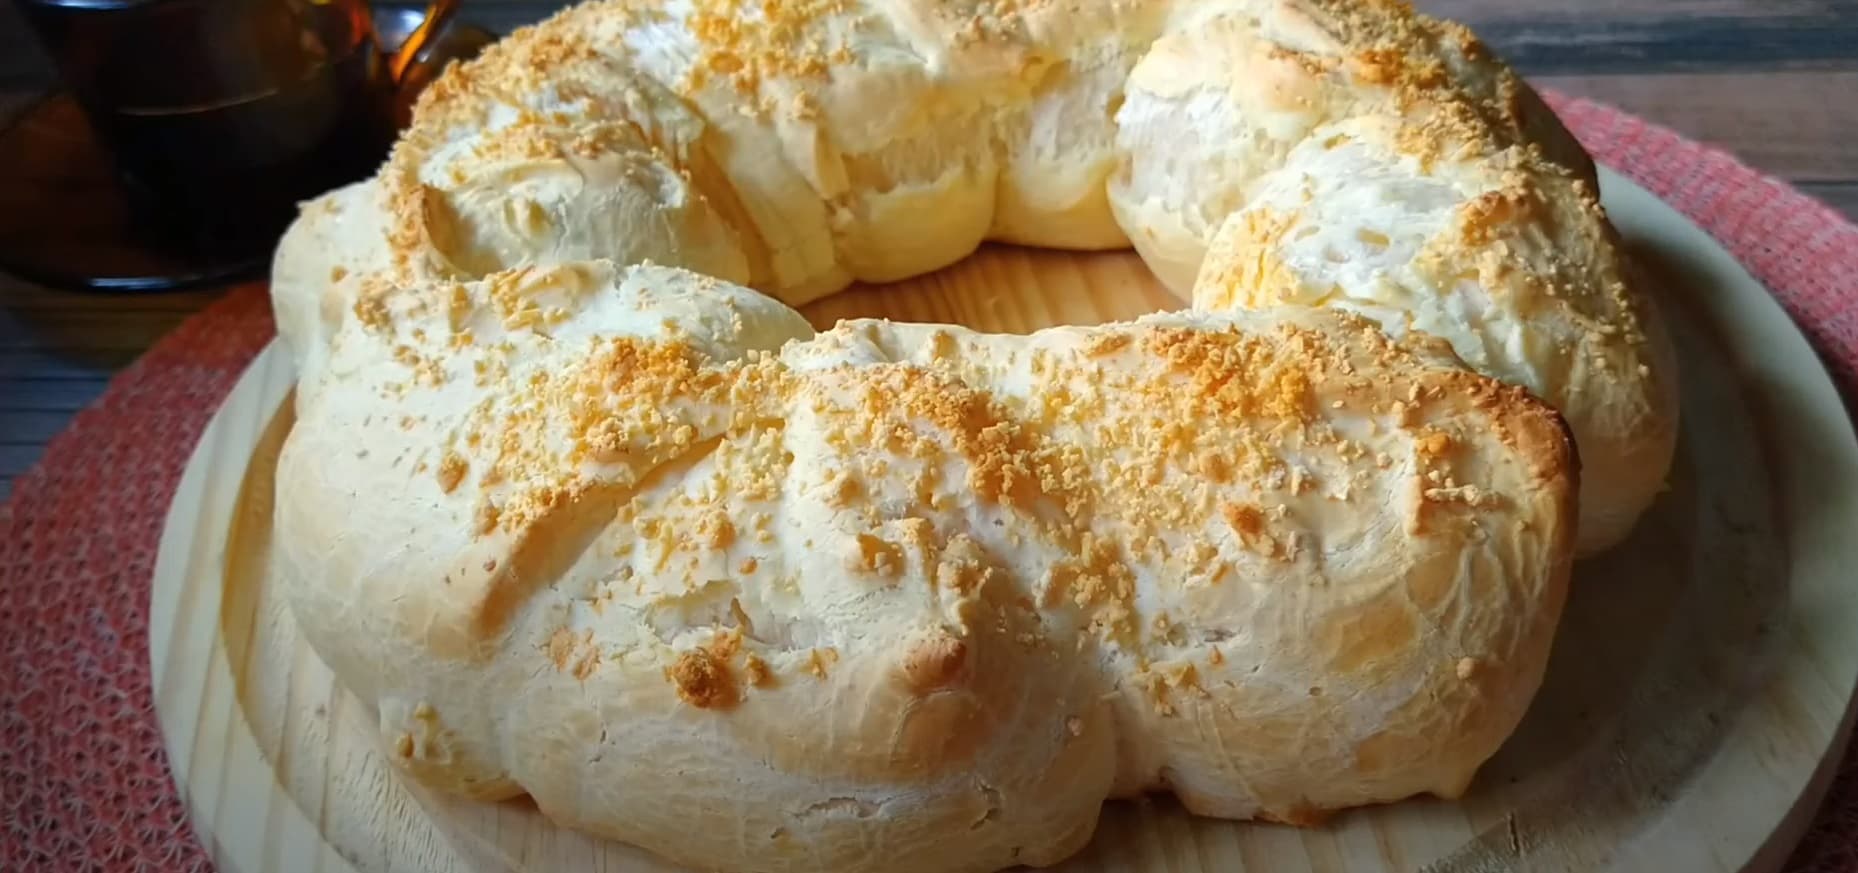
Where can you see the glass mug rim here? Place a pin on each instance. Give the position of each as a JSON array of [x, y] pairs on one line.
[[181, 188], [435, 17], [104, 5], [207, 154], [100, 5]]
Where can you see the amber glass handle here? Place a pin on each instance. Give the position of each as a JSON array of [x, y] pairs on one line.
[[438, 14]]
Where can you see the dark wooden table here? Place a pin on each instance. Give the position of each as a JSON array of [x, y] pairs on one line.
[[1775, 81]]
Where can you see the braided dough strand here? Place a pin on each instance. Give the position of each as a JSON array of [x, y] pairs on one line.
[[800, 149], [844, 596]]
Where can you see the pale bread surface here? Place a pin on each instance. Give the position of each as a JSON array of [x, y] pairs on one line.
[[637, 542]]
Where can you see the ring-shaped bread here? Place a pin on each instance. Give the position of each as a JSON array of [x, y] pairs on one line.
[[636, 541]]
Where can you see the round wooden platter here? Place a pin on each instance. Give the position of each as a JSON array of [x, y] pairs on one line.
[[1696, 705]]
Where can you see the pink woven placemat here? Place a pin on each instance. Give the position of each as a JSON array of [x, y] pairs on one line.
[[84, 784]]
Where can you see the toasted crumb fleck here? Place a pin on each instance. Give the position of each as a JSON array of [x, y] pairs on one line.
[[817, 660], [486, 520], [1467, 667], [702, 680], [717, 531], [727, 641], [584, 665], [1434, 444], [842, 490], [757, 671], [875, 556], [1252, 526], [560, 645], [1103, 344], [452, 469]]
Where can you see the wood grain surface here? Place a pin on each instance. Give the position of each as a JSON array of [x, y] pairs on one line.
[[1699, 687], [1775, 81]]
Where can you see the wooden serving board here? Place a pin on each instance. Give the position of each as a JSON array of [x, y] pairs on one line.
[[1697, 702]]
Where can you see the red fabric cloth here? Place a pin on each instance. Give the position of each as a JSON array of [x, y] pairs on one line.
[[84, 783]]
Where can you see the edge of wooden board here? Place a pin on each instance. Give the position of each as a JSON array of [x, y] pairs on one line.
[[237, 805]]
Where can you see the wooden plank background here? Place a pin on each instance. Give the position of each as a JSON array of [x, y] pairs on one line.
[[1775, 81]]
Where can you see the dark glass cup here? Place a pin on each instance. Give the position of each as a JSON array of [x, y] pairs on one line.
[[221, 115]]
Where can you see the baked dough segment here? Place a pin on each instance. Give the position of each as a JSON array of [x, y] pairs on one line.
[[1231, 88], [1423, 226], [637, 542], [830, 600], [797, 147]]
